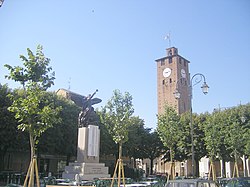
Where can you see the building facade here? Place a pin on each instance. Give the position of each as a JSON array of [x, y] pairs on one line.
[[173, 89], [172, 75], [173, 80]]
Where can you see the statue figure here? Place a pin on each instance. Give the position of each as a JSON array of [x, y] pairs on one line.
[[88, 116]]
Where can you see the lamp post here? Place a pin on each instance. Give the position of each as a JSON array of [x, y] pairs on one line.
[[197, 78]]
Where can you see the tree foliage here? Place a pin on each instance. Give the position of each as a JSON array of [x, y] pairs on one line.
[[245, 116], [235, 137], [116, 115], [59, 140], [136, 137], [8, 125], [107, 144], [237, 133], [35, 113], [152, 147], [199, 144], [168, 128], [213, 139], [35, 71], [62, 138], [215, 132], [184, 143]]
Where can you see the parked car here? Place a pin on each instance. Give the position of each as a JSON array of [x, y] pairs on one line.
[[13, 185], [150, 181], [239, 182], [222, 181], [191, 183], [136, 185], [65, 182]]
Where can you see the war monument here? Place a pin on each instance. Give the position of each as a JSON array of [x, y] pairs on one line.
[[87, 166]]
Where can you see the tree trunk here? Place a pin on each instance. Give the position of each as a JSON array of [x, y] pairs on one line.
[[236, 169], [134, 163], [151, 166], [196, 170], [171, 165], [67, 159], [223, 168], [32, 146], [119, 167], [29, 179], [212, 170]]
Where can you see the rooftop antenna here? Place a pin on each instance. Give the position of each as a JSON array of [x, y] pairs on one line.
[[167, 37], [69, 83]]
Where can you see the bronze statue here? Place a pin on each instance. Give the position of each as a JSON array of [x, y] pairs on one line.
[[88, 116]]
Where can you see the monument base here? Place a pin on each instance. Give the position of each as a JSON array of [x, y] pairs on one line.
[[85, 171], [87, 166]]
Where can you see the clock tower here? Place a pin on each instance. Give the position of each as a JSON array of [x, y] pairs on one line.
[[173, 74]]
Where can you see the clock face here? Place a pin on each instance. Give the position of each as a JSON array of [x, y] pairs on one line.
[[166, 72], [183, 73]]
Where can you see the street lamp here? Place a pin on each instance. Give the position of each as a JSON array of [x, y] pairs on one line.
[[177, 94], [196, 78]]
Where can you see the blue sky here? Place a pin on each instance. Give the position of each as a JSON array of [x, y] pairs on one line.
[[110, 45]]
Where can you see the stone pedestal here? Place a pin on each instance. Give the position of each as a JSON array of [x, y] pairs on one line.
[[87, 166]]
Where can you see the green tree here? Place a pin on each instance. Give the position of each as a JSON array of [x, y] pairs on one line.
[[62, 138], [244, 112], [34, 112], [215, 132], [168, 130], [136, 135], [8, 125], [116, 115], [184, 145], [199, 143], [152, 147], [107, 145], [213, 139], [236, 138]]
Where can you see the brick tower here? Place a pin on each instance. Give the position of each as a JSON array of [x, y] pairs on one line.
[[173, 74]]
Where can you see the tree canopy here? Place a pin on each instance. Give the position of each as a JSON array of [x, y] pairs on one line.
[[116, 115], [34, 112]]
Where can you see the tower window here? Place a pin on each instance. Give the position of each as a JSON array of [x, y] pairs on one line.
[[180, 60], [170, 60], [170, 80], [163, 81], [162, 62], [175, 52]]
